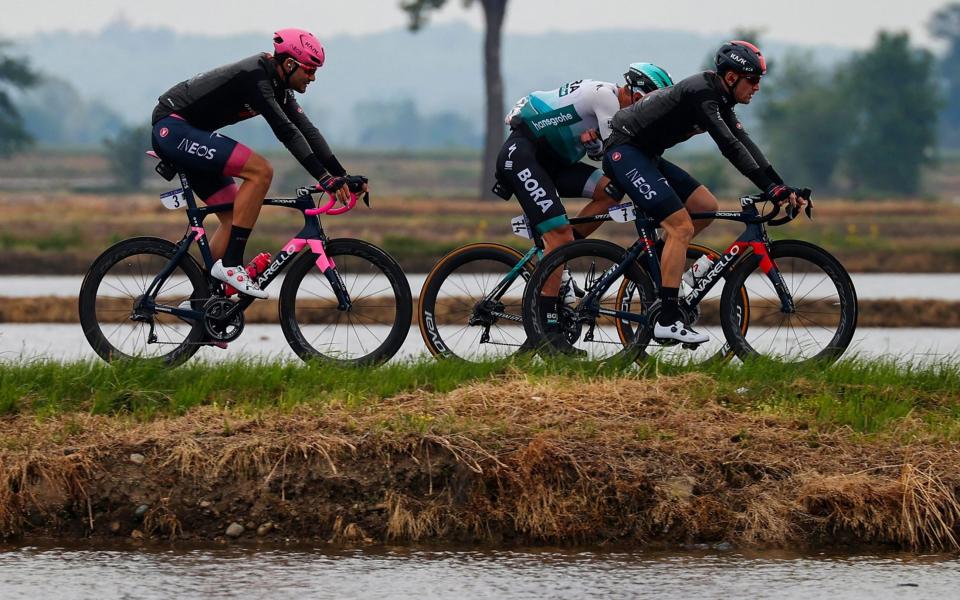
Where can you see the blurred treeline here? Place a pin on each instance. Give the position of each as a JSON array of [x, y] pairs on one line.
[[867, 125]]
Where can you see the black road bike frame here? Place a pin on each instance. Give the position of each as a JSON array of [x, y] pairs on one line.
[[311, 233], [754, 239]]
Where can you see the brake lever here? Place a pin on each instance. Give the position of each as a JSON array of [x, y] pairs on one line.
[[366, 199]]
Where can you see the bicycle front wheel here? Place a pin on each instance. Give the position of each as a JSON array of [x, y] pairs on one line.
[[113, 318], [470, 304], [371, 331], [824, 316]]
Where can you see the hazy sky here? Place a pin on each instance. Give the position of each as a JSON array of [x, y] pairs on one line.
[[840, 22]]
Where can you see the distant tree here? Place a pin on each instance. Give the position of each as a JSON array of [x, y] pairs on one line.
[[494, 12], [804, 121], [54, 113], [14, 74], [945, 25], [125, 156], [399, 125], [895, 102]]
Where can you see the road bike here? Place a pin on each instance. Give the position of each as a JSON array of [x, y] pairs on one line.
[[470, 307], [342, 300], [788, 300]]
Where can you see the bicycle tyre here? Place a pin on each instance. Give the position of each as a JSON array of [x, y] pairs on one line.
[[124, 271], [835, 314], [433, 317], [359, 264], [561, 258]]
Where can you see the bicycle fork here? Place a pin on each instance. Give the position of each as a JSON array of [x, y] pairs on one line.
[[771, 270], [326, 266]]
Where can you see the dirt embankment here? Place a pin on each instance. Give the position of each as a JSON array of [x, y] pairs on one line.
[[873, 313], [621, 461]]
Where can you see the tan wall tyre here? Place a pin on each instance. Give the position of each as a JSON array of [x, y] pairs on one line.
[[705, 317], [372, 331], [825, 317], [470, 305]]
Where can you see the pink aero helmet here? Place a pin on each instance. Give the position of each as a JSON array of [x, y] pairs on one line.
[[300, 45]]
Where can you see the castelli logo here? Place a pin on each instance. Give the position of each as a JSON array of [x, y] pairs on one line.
[[615, 156], [164, 132]]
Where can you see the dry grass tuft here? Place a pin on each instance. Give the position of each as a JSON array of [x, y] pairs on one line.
[[552, 459]]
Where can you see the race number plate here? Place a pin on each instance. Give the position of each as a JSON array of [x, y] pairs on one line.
[[174, 199], [521, 227], [623, 213]]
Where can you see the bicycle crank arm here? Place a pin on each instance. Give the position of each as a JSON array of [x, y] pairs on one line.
[[507, 317]]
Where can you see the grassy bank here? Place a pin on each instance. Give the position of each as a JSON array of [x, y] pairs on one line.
[[864, 452]]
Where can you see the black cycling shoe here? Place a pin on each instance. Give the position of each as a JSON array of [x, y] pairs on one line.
[[556, 343]]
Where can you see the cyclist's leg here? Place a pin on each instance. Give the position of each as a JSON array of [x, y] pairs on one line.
[[534, 187], [215, 190], [637, 174], [695, 196], [204, 155], [581, 180]]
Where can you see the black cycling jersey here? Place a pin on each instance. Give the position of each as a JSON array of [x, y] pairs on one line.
[[701, 102], [244, 89]]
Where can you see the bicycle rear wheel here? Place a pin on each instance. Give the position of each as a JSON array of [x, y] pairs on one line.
[[825, 301], [113, 324], [459, 314], [375, 326], [586, 332]]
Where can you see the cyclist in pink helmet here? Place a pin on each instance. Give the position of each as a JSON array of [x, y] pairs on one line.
[[188, 115]]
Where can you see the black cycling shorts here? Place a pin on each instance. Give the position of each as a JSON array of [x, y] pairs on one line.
[[210, 160], [657, 186], [539, 182]]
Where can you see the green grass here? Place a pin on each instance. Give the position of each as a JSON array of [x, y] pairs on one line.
[[868, 397]]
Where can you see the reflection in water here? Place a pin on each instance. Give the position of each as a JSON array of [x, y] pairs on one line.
[[400, 573], [66, 342]]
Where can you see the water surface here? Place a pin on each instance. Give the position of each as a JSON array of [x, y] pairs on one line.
[[416, 573]]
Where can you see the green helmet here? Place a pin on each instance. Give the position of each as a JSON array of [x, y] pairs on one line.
[[647, 77]]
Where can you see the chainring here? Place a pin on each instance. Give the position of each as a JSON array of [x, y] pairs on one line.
[[217, 325]]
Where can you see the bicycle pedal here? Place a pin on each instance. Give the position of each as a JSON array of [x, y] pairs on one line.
[[691, 346]]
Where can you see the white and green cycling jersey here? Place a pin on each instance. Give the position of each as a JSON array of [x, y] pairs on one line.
[[558, 117]]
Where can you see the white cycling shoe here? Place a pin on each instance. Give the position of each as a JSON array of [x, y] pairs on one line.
[[680, 332], [238, 278]]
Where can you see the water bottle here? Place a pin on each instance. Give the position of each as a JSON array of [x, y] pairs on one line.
[[697, 270], [256, 266]]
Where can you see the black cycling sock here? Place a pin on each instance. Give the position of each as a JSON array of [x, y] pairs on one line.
[[233, 257], [669, 306], [549, 311]]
